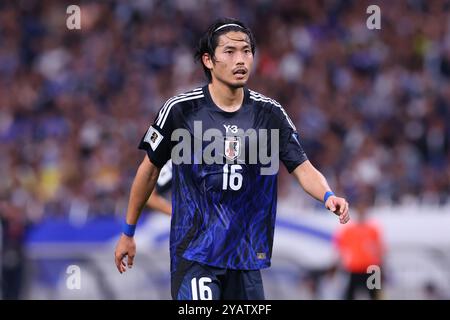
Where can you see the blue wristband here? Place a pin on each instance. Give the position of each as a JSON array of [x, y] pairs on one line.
[[327, 195], [128, 229]]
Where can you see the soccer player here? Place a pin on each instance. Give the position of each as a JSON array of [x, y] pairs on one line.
[[223, 213]]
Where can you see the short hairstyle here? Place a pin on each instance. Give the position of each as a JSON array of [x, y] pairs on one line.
[[210, 39]]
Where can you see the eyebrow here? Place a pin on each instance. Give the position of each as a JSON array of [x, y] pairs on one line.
[[247, 46]]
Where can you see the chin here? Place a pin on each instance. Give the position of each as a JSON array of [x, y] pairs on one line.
[[238, 84]]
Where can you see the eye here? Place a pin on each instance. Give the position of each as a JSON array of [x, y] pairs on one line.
[[228, 52], [247, 51]]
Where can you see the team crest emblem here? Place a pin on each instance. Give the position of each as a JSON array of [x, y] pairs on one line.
[[232, 147]]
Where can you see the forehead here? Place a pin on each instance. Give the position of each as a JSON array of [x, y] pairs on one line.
[[233, 38]]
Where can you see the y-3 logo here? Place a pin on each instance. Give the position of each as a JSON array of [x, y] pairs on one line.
[[232, 128]]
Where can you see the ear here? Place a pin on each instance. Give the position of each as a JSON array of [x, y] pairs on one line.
[[207, 61]]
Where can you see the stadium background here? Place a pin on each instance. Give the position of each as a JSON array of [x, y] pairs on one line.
[[372, 108]]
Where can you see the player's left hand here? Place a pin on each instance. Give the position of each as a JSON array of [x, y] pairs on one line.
[[339, 206]]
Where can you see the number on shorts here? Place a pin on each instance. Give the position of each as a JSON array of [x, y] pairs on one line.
[[203, 291]]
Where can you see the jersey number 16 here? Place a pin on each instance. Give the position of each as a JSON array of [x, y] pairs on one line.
[[231, 178]]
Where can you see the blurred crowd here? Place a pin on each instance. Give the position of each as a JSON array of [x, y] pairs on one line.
[[372, 106]]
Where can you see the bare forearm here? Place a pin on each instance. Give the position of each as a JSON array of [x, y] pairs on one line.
[[311, 180], [142, 187], [315, 184]]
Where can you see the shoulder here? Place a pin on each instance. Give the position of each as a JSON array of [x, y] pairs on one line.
[[179, 101], [270, 105], [187, 96], [259, 98]]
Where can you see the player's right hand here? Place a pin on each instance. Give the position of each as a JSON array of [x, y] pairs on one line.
[[126, 247]]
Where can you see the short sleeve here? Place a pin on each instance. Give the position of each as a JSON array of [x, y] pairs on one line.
[[291, 150], [157, 140]]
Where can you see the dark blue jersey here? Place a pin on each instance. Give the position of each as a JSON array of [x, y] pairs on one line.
[[164, 183], [223, 212]]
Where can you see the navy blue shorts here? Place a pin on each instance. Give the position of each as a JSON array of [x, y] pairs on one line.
[[195, 281]]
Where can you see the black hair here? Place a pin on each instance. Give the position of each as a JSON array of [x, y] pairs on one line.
[[210, 39]]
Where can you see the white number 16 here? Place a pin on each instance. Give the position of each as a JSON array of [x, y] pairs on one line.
[[235, 178], [204, 292]]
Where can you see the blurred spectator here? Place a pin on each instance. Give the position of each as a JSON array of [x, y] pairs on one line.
[[324, 284], [432, 291], [13, 229], [360, 245]]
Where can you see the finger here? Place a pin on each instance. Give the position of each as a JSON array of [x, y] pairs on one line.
[[130, 261], [343, 206], [121, 263], [331, 206], [118, 261], [345, 217], [346, 209]]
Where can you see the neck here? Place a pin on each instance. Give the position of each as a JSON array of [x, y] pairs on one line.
[[225, 97]]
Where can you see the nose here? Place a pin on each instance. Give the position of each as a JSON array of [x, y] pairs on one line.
[[240, 58]]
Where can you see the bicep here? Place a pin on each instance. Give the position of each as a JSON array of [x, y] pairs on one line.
[[304, 169], [148, 169]]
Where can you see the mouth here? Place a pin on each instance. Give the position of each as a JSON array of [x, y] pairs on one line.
[[240, 72]]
